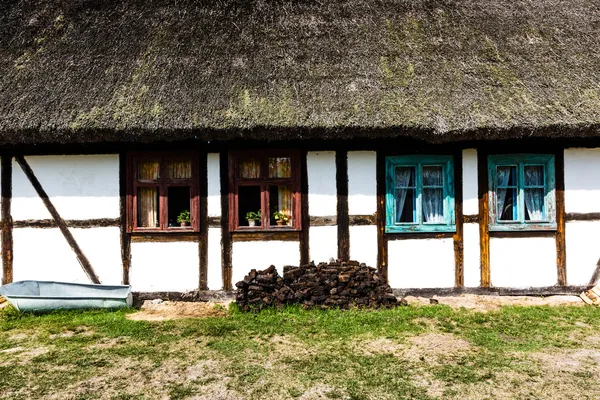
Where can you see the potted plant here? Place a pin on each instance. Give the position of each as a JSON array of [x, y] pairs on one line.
[[184, 218], [281, 218], [252, 217]]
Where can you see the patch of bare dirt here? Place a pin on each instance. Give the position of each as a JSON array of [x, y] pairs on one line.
[[417, 348], [568, 360], [80, 331], [488, 303], [177, 310]]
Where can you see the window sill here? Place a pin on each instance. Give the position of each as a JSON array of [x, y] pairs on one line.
[[265, 235], [420, 229], [162, 236], [523, 227]]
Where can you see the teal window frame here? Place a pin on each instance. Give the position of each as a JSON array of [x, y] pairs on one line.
[[520, 161], [418, 161]]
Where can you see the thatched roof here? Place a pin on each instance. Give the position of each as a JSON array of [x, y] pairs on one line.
[[437, 70]]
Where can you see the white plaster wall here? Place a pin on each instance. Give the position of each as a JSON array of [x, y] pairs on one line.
[[322, 190], [362, 182], [44, 254], [363, 244], [164, 266], [582, 183], [79, 186], [214, 185], [421, 263], [583, 251], [472, 259], [215, 275], [261, 255], [523, 262], [323, 243], [469, 176]]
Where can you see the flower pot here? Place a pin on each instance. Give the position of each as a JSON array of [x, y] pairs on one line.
[[279, 222], [251, 222], [184, 224]]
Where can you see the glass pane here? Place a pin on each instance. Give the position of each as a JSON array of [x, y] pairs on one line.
[[179, 169], [506, 176], [433, 205], [433, 176], [280, 167], [178, 202], [534, 175], [147, 207], [405, 177], [534, 204], [148, 169], [249, 213], [405, 205], [249, 168], [280, 198], [507, 204]]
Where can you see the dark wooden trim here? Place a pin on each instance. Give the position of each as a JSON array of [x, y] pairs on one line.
[[164, 238], [522, 234], [359, 220], [459, 278], [493, 291], [226, 243], [484, 237], [343, 220], [203, 242], [382, 244], [7, 222], [202, 296], [419, 235], [304, 211], [573, 217], [470, 219], [329, 220], [561, 246], [214, 222], [71, 223], [287, 236], [85, 263], [596, 275], [123, 207]]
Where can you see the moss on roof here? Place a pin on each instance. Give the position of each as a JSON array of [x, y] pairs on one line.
[[437, 70]]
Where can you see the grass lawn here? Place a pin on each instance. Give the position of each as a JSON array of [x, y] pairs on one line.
[[423, 352]]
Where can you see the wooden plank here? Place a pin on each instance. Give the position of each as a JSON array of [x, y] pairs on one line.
[[471, 219], [523, 234], [203, 242], [329, 220], [561, 247], [71, 223], [419, 235], [494, 291], [304, 211], [7, 222], [226, 245], [154, 237], [341, 177], [85, 263], [576, 217], [288, 236], [361, 220], [459, 278], [214, 222], [484, 237], [123, 210], [382, 245]]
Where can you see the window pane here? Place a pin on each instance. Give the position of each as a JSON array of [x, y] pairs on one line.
[[148, 169], [534, 175], [147, 207], [280, 198], [280, 167], [433, 176], [506, 176], [433, 205], [405, 177], [507, 204], [534, 204], [405, 205], [179, 169], [249, 206], [249, 168], [178, 202]]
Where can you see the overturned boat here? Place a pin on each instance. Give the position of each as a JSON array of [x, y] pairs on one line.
[[49, 296]]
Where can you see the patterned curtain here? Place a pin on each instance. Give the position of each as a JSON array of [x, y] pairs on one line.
[[148, 207], [534, 192], [280, 167], [403, 180], [179, 169], [148, 169], [249, 168], [285, 200], [433, 194]]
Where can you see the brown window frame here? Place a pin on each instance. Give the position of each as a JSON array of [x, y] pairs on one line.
[[264, 181], [163, 183]]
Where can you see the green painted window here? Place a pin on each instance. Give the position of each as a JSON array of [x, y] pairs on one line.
[[420, 194], [522, 192]]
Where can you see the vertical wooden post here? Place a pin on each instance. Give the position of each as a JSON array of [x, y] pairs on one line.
[[203, 242], [7, 222], [123, 206], [382, 249], [484, 215], [226, 244], [459, 278], [561, 254], [343, 220], [304, 213]]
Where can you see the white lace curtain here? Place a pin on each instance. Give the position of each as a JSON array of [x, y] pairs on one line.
[[403, 178], [534, 192], [502, 178], [433, 195]]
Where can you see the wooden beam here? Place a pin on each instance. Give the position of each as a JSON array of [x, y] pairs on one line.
[[71, 223], [304, 211], [7, 223], [203, 242], [484, 237], [459, 278], [572, 217], [382, 245], [343, 220], [125, 236], [494, 291], [561, 251], [85, 263], [226, 244]]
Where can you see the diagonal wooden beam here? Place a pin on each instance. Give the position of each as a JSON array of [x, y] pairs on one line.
[[85, 263], [7, 222]]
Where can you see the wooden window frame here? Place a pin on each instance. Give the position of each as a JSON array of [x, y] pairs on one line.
[[163, 183], [520, 161], [264, 182], [418, 161]]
